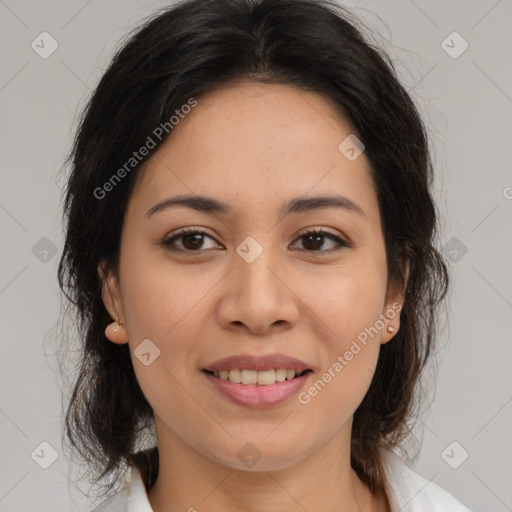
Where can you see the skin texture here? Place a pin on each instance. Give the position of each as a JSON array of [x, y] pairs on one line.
[[253, 146]]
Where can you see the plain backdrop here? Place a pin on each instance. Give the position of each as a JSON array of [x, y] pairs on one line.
[[465, 97]]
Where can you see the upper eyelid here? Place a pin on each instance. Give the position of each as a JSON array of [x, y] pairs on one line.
[[197, 229], [321, 229]]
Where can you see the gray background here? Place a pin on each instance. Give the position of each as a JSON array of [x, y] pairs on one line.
[[466, 103]]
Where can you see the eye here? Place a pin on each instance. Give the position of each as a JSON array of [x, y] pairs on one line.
[[314, 239], [190, 240]]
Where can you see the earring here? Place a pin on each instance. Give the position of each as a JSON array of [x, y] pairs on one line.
[[113, 328], [391, 328]]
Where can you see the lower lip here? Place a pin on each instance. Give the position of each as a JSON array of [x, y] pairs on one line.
[[258, 396]]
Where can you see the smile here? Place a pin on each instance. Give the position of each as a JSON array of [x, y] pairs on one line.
[[257, 381], [257, 378]]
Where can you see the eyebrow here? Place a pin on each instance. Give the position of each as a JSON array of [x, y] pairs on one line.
[[297, 205]]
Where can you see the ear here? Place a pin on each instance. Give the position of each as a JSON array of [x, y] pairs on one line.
[[393, 306], [111, 297]]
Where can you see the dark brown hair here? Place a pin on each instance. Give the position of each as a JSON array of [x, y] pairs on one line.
[[187, 50]]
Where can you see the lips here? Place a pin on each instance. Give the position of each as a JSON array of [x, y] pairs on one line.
[[258, 363], [262, 381]]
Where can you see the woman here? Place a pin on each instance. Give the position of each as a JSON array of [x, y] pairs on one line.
[[250, 249]]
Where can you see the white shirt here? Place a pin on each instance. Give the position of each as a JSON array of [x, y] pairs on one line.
[[408, 492]]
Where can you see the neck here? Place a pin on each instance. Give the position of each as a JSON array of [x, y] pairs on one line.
[[324, 481]]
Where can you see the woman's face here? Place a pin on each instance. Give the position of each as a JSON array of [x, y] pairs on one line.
[[255, 287]]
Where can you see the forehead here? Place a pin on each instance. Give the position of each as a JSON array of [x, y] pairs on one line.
[[254, 143]]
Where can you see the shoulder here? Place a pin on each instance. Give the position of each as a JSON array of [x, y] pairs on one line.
[[117, 503], [131, 498], [410, 492]]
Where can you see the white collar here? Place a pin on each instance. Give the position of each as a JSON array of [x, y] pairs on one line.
[[410, 492]]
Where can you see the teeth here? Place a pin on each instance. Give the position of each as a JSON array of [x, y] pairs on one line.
[[235, 376], [280, 375], [253, 377], [290, 374], [249, 377], [266, 377]]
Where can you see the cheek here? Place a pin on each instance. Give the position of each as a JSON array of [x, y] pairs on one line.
[[348, 309], [349, 302], [163, 305], [350, 344], [161, 298]]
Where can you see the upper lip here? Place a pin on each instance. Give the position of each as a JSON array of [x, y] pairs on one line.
[[257, 363]]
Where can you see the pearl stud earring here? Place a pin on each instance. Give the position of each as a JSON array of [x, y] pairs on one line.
[[113, 328], [391, 328]]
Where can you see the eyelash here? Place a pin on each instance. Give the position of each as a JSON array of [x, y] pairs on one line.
[[168, 242]]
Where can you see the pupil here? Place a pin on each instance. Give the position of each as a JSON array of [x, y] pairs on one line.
[[316, 238], [195, 244]]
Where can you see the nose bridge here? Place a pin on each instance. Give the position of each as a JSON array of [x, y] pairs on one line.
[[256, 271], [256, 295]]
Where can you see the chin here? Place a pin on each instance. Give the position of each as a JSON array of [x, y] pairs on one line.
[[259, 455]]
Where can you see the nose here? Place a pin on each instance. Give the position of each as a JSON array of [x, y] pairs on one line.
[[257, 297]]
